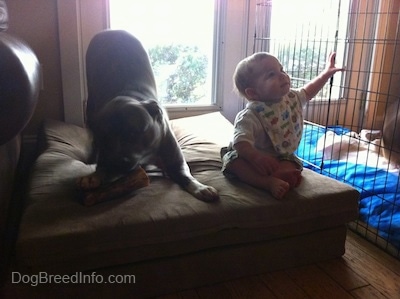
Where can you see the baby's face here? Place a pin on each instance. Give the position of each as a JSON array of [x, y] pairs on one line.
[[272, 83]]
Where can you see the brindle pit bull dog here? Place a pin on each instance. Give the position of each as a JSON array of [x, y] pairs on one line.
[[130, 128]]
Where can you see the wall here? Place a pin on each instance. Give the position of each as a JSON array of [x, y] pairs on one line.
[[36, 23]]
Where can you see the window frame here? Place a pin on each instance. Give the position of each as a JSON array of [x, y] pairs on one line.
[[76, 28]]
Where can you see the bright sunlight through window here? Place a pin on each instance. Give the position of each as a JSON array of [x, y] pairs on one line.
[[302, 44], [179, 36]]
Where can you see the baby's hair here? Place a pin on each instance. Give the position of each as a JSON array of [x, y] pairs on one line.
[[246, 72]]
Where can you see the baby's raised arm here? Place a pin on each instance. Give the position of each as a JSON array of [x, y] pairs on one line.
[[315, 85]]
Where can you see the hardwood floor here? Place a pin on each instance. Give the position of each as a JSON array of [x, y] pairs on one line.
[[364, 271]]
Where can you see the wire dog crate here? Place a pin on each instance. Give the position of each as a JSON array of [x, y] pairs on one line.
[[352, 127]]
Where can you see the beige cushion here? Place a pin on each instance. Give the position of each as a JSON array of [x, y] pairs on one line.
[[58, 232]]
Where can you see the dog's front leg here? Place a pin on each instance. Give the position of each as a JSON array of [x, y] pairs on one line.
[[178, 170], [180, 173], [201, 191]]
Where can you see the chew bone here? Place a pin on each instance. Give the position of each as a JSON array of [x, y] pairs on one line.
[[134, 180]]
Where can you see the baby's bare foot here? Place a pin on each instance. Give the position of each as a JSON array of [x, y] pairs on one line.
[[278, 187], [291, 176]]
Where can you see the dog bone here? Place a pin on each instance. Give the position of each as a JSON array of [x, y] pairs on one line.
[[132, 181]]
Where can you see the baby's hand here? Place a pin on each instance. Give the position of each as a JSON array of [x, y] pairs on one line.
[[265, 164], [330, 66]]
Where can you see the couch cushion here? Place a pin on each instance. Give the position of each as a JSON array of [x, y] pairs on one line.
[[58, 233]]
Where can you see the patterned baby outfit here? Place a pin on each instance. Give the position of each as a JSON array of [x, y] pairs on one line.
[[273, 128]]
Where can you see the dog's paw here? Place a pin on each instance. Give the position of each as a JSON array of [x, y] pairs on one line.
[[89, 182], [203, 192]]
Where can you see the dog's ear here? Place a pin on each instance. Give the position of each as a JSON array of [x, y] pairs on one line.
[[154, 109]]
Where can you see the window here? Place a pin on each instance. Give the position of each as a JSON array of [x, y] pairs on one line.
[[80, 20], [179, 37]]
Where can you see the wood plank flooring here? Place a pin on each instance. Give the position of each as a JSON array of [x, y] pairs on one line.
[[364, 271]]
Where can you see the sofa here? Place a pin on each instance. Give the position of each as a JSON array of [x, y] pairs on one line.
[[159, 235]]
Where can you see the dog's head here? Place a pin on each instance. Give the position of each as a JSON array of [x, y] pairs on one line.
[[126, 133]]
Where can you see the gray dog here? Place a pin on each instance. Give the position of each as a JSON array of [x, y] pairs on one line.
[[129, 126]]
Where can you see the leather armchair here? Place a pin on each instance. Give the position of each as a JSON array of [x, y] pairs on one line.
[[19, 85], [19, 91]]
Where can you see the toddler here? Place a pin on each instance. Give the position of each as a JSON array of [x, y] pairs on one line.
[[268, 131]]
